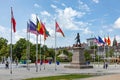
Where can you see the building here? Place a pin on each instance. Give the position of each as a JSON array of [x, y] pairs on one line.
[[91, 42]]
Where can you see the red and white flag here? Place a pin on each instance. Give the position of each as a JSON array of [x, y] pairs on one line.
[[58, 29], [13, 22]]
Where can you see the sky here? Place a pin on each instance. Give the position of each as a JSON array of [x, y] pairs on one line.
[[89, 18]]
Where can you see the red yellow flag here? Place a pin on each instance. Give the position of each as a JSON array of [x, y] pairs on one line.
[[13, 21], [39, 27], [109, 41], [58, 29]]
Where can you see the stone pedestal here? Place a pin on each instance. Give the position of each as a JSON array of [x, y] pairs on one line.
[[78, 56], [78, 59]]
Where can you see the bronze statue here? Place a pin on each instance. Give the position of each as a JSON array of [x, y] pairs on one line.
[[78, 40]]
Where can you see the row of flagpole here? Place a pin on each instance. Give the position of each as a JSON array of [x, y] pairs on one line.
[[106, 44], [33, 29], [57, 29]]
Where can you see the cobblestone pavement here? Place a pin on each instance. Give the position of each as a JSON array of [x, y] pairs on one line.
[[21, 72]]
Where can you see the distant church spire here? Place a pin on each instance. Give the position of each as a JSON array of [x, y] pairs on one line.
[[114, 42]]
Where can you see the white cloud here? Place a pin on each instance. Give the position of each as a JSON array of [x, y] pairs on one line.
[[87, 31], [96, 1], [53, 6], [45, 13], [69, 12], [118, 38], [36, 5], [2, 29], [117, 23], [33, 17], [67, 18], [6, 33], [83, 6], [17, 36], [110, 30]]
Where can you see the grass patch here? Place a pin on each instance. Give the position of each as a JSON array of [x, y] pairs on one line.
[[62, 77]]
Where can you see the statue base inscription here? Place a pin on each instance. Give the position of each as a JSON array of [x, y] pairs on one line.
[[78, 60]]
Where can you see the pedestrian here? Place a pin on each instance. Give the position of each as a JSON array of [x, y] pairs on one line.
[[16, 62], [106, 64], [7, 65]]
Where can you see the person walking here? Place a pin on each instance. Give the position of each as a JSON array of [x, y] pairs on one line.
[[7, 65]]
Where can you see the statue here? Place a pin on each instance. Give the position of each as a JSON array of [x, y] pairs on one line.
[[78, 44]]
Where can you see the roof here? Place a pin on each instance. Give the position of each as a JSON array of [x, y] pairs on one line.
[[62, 55]]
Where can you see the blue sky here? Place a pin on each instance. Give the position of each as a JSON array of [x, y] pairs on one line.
[[87, 17]]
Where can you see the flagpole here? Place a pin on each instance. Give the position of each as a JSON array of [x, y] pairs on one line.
[[55, 49], [105, 48], [11, 48], [29, 50], [94, 54], [108, 54], [104, 52], [115, 56], [108, 48], [57, 29], [44, 54], [40, 53], [98, 56], [36, 63], [28, 54], [27, 47]]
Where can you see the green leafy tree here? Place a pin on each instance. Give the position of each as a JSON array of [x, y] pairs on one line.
[[3, 42], [33, 52], [18, 48], [87, 55], [51, 53], [111, 52], [4, 51]]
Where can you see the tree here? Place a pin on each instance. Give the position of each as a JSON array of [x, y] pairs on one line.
[[33, 52], [87, 55], [3, 42], [51, 53], [4, 50], [111, 52], [18, 48], [93, 47]]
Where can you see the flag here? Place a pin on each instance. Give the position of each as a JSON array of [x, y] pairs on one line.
[[32, 28], [13, 22], [100, 40], [58, 29], [105, 40], [96, 40], [45, 32], [39, 27], [109, 41]]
